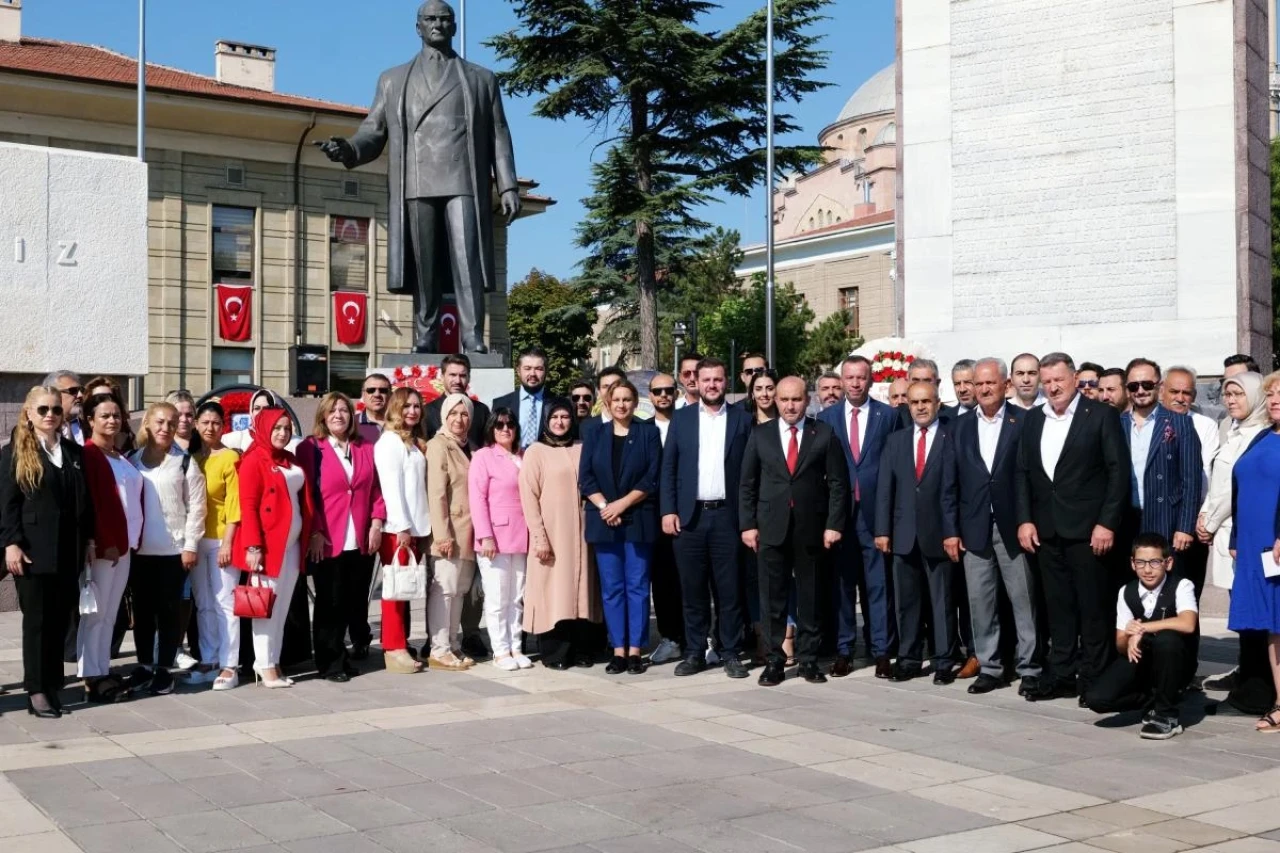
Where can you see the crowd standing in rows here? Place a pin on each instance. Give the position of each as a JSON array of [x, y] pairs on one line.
[[987, 540]]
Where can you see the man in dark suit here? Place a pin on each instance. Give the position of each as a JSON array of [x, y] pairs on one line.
[[916, 518], [793, 505], [455, 372], [986, 441], [862, 425], [1072, 488], [701, 472], [529, 401]]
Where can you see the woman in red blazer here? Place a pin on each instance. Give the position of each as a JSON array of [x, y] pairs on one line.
[[349, 516], [275, 521]]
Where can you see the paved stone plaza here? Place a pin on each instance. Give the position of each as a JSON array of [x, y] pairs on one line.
[[540, 760]]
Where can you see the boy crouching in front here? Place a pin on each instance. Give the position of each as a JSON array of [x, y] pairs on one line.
[[1156, 617]]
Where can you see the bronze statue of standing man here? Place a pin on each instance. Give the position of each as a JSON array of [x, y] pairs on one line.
[[448, 136]]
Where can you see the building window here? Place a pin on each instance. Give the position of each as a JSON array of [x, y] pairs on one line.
[[233, 245], [849, 302], [348, 253], [347, 371], [231, 366], [862, 141]]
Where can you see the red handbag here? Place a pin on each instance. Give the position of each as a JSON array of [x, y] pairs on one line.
[[254, 601]]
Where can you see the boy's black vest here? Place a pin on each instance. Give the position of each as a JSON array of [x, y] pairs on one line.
[[1166, 602]]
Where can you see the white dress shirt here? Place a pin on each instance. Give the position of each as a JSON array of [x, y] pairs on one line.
[[1139, 447], [712, 427], [989, 436], [1184, 599], [350, 543], [784, 430], [864, 414], [1054, 435], [1210, 440], [663, 426]]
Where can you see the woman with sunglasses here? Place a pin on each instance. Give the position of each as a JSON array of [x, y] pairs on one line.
[[173, 523], [760, 396], [115, 487], [349, 516], [501, 536], [46, 524], [562, 590], [619, 479], [214, 579], [400, 456]]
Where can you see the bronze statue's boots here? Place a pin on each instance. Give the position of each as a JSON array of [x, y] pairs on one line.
[[426, 343], [472, 345]]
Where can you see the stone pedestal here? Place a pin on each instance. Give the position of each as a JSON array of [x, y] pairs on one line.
[[478, 360], [489, 377]]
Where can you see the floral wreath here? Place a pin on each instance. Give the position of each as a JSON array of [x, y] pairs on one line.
[[426, 379], [888, 365]]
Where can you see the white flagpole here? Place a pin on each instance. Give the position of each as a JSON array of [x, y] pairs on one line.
[[142, 80], [768, 196], [462, 29]]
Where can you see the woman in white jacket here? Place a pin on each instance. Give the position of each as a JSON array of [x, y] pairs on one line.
[[400, 457], [173, 501]]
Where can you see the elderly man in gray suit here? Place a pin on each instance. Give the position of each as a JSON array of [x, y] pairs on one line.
[[448, 136]]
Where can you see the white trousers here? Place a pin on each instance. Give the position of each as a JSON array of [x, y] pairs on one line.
[[268, 634], [93, 640], [503, 582], [206, 594], [450, 582]]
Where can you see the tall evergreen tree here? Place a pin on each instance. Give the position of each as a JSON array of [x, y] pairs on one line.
[[681, 109]]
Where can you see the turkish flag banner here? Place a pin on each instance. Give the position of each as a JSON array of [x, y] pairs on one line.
[[234, 311], [349, 317], [448, 341]]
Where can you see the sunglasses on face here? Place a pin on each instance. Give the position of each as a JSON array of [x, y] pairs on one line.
[[43, 411], [1087, 383], [1144, 385], [503, 425], [73, 391], [372, 391], [668, 391], [755, 371], [688, 372], [581, 398]]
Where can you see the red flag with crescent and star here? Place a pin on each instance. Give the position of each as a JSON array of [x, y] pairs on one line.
[[450, 339], [349, 317], [235, 304]]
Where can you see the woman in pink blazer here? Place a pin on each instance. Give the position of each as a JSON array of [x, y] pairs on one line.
[[349, 515], [502, 538]]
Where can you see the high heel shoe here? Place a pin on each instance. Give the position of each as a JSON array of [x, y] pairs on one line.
[[273, 683], [47, 713]]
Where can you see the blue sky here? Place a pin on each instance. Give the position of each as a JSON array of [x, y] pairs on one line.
[[335, 50]]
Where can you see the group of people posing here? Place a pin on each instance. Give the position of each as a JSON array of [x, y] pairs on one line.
[[989, 538]]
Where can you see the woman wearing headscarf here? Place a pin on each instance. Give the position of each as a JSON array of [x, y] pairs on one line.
[[562, 590], [1247, 410], [46, 524], [452, 534], [274, 536]]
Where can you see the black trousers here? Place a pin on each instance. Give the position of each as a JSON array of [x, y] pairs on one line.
[[46, 601], [664, 580], [778, 567], [444, 234], [1153, 682], [342, 606], [568, 640], [707, 555], [156, 583], [923, 590], [1079, 607]]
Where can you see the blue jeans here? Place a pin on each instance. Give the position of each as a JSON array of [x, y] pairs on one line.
[[624, 586]]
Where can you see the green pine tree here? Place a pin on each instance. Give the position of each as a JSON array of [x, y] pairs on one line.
[[545, 312]]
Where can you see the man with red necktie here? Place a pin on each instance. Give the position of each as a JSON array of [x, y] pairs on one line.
[[916, 521], [792, 507]]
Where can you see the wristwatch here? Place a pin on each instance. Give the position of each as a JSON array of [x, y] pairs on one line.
[[600, 506]]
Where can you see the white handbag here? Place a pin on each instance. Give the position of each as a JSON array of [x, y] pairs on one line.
[[403, 581], [88, 593]]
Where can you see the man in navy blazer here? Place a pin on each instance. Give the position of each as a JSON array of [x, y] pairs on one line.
[[860, 568], [916, 522], [986, 453], [701, 474]]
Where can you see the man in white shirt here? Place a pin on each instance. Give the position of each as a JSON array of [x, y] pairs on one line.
[[1025, 381], [668, 609]]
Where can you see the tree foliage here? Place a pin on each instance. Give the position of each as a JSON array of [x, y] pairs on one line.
[[737, 325], [680, 110], [545, 312], [827, 344]]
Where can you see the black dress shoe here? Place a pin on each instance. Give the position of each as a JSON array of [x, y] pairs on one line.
[[1052, 690], [985, 684], [556, 664], [840, 667], [360, 652], [811, 673], [735, 668], [616, 665], [691, 665], [635, 665], [583, 661], [904, 673], [44, 712], [884, 668], [1029, 684], [474, 346], [772, 675], [944, 676], [339, 677]]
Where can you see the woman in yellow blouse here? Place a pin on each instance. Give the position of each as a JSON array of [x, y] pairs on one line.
[[214, 579]]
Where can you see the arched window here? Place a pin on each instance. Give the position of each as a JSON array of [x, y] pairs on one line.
[[862, 141]]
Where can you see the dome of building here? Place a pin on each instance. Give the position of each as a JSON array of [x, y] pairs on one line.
[[888, 135], [877, 95]]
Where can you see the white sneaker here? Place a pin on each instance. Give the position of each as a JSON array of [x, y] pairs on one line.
[[184, 661], [506, 663], [666, 652], [523, 662], [713, 657]]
